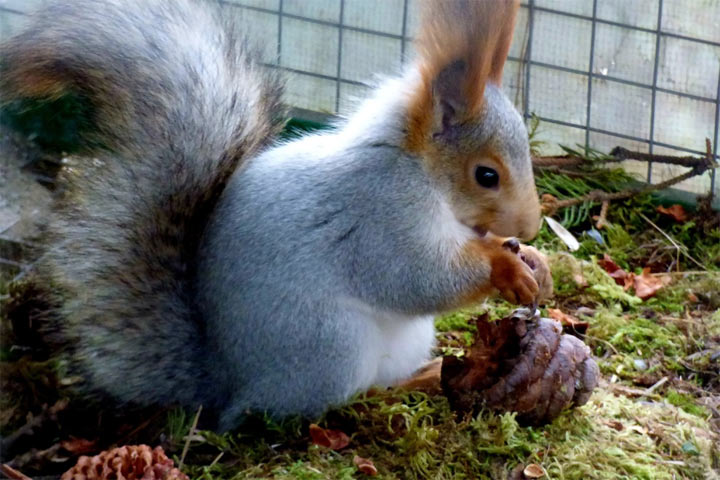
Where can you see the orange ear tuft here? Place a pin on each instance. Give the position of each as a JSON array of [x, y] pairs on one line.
[[505, 38], [470, 37]]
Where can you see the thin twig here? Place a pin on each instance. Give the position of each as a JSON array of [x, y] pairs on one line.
[[600, 340], [673, 242], [632, 392], [697, 165], [10, 472], [685, 161], [189, 437], [657, 385], [217, 459], [34, 424], [620, 154], [686, 272], [549, 207], [601, 221]]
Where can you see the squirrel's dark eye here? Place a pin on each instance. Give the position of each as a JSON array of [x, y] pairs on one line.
[[486, 177]]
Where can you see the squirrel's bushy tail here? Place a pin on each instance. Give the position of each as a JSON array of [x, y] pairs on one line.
[[179, 100]]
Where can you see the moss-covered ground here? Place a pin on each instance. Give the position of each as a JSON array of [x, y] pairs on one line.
[[655, 415]]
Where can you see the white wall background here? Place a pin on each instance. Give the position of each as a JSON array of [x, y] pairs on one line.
[[644, 74]]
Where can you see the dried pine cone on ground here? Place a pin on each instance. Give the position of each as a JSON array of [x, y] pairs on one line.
[[522, 364], [137, 462]]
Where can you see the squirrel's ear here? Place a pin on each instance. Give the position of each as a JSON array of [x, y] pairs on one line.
[[462, 45], [451, 102]]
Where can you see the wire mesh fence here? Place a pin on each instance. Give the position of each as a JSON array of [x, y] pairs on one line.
[[643, 74]]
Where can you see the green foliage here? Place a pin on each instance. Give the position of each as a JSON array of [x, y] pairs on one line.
[[533, 132], [636, 233]]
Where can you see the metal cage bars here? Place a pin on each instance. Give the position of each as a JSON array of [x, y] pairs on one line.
[[527, 63]]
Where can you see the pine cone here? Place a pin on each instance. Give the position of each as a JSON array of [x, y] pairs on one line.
[[136, 462], [521, 364]]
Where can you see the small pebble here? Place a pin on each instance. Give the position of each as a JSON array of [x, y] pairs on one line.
[[640, 364], [595, 235]]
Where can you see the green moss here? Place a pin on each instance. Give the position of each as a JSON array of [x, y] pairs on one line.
[[646, 337], [714, 323], [415, 436], [457, 321], [587, 280], [687, 403]]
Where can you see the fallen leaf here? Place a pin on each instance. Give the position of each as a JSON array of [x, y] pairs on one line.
[[676, 212], [333, 439], [534, 471], [692, 297], [79, 446], [646, 284], [567, 320], [613, 269], [365, 465], [615, 425], [608, 263], [629, 281]]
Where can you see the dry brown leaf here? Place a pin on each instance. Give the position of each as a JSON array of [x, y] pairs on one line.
[[615, 425], [333, 439], [614, 270], [365, 465], [646, 284], [567, 320], [676, 212], [79, 446], [533, 471]]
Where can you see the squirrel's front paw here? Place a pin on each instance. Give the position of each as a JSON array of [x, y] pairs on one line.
[[512, 277]]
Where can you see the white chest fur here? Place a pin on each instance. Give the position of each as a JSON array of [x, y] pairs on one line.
[[405, 345], [394, 346]]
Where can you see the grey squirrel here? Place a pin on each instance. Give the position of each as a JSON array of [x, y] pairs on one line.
[[203, 263]]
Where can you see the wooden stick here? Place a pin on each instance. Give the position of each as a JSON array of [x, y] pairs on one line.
[[10, 472]]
